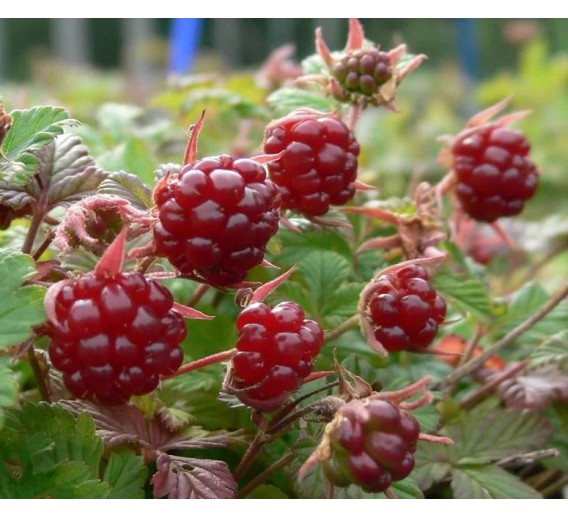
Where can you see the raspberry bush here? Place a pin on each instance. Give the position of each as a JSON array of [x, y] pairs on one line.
[[318, 295]]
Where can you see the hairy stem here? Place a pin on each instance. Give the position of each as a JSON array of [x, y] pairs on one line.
[[342, 328], [266, 474], [475, 363], [38, 374], [44, 245], [223, 356], [255, 447], [33, 229], [145, 264]]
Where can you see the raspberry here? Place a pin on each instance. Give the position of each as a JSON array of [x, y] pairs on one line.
[[361, 73], [114, 336], [372, 445], [319, 165], [276, 348], [215, 218], [406, 310], [495, 174]]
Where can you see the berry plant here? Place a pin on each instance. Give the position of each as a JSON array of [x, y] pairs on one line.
[[264, 291]]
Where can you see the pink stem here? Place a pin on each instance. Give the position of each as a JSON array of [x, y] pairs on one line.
[[203, 362]]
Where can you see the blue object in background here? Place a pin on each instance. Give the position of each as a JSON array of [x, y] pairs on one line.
[[468, 47], [184, 44]]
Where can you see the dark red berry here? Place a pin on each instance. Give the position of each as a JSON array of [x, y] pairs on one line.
[[113, 337], [405, 310], [276, 349], [372, 445], [495, 173], [215, 218], [319, 165], [361, 73]]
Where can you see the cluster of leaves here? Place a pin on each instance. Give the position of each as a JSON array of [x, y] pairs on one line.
[[183, 442]]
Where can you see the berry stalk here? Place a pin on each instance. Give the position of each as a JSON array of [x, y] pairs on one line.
[[223, 356]]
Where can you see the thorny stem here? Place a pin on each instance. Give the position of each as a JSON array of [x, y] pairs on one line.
[[198, 294], [491, 385], [510, 337], [342, 328], [38, 374], [266, 474], [223, 356]]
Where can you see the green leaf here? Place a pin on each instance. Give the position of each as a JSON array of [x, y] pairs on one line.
[[267, 491], [126, 475], [553, 350], [433, 464], [489, 482], [8, 388], [20, 307], [323, 273], [468, 294], [32, 130], [288, 99], [130, 187], [45, 451], [133, 155], [484, 437]]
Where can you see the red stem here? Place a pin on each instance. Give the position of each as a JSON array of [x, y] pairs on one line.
[[203, 362]]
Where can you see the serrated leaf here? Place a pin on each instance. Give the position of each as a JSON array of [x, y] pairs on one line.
[[484, 437], [489, 482], [323, 273], [288, 99], [128, 186], [553, 350], [180, 477], [8, 388], [46, 452], [126, 475], [32, 130], [433, 464], [468, 294], [343, 304], [21, 307]]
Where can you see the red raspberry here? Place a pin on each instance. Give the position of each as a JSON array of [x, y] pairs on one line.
[[319, 166], [406, 310], [216, 217], [361, 73], [495, 174], [114, 336], [276, 351], [372, 445]]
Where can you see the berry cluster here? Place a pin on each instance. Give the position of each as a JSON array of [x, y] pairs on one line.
[[494, 172], [215, 218], [276, 348], [319, 164], [405, 310], [361, 73], [113, 337], [372, 446]]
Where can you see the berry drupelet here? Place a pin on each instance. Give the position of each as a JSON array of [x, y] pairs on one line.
[[495, 174], [276, 348], [319, 164], [216, 218], [404, 310], [114, 336], [372, 444]]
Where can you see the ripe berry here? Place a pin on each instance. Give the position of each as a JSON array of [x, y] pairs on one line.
[[215, 218], [494, 171], [276, 348], [361, 73], [405, 310], [113, 337], [372, 445], [319, 165]]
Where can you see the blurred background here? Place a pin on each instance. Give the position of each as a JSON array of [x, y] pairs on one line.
[[136, 84]]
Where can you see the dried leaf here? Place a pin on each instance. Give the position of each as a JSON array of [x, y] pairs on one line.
[[180, 477]]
